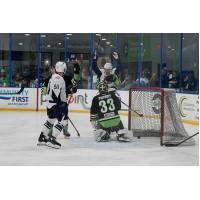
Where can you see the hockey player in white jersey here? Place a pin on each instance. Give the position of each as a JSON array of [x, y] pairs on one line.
[[56, 108]]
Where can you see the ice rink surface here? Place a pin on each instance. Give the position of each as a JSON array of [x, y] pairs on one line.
[[19, 132]]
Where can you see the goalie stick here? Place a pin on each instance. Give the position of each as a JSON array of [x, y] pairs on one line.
[[19, 92], [88, 108], [179, 143], [139, 114]]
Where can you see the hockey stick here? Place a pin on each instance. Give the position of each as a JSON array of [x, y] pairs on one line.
[[78, 134], [69, 101], [20, 91], [88, 108], [139, 114], [179, 143]]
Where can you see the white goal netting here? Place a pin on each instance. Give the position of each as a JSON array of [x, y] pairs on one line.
[[161, 116]]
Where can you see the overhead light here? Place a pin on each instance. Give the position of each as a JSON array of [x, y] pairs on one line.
[[27, 34], [69, 34], [67, 38], [107, 42], [169, 47], [111, 45], [59, 43], [173, 49], [48, 45], [98, 34], [46, 62], [141, 44], [103, 39], [20, 43], [43, 36]]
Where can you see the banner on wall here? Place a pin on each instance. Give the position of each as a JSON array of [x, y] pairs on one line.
[[24, 100], [188, 104], [82, 95]]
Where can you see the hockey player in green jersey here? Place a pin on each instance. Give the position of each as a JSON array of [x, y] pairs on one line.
[[104, 116], [108, 73]]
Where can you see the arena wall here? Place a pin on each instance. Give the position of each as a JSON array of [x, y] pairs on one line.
[[31, 100]]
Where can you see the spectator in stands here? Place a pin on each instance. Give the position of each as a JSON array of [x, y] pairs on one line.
[[174, 80], [84, 77], [154, 82], [17, 79], [26, 77], [191, 83], [165, 78], [144, 81], [3, 77]]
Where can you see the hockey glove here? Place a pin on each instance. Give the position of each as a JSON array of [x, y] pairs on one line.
[[95, 57], [115, 56], [43, 91], [76, 68]]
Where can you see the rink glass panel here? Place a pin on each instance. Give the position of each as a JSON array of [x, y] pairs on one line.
[[104, 45], [128, 49], [20, 53], [150, 60], [78, 50], [4, 60], [171, 57], [52, 47], [190, 59]]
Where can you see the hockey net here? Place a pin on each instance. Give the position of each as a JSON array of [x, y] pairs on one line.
[[160, 118]]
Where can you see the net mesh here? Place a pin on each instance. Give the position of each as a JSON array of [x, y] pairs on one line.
[[148, 102]]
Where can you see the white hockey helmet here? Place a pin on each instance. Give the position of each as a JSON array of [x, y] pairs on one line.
[[61, 67], [108, 66]]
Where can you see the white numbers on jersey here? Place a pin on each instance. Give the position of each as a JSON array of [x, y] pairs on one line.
[[107, 105]]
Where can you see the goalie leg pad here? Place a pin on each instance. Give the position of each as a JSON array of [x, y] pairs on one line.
[[101, 135], [122, 135]]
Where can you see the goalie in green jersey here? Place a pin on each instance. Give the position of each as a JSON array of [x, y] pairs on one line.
[[104, 116]]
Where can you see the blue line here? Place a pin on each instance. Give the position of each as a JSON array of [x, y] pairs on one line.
[[91, 61], [161, 57], [38, 65], [139, 56], [65, 56], [181, 60], [10, 60]]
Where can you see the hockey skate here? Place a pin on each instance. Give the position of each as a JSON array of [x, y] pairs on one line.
[[53, 143], [122, 138], [66, 134], [42, 140]]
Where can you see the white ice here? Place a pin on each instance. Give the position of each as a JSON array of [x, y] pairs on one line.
[[19, 132]]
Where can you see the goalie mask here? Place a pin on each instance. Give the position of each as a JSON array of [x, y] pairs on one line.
[[103, 87]]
